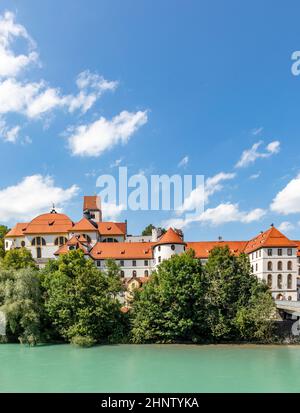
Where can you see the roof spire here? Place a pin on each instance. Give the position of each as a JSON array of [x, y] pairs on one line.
[[53, 211]]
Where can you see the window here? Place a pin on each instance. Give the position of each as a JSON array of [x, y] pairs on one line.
[[270, 252], [256, 254], [134, 273], [134, 263], [279, 252], [279, 281], [146, 263], [159, 259], [39, 252], [60, 241], [279, 297], [159, 248], [146, 273], [173, 247], [252, 269], [289, 281], [270, 280], [98, 263], [110, 240], [122, 273], [289, 266], [270, 266], [279, 266], [92, 216], [38, 241], [122, 263], [256, 267], [23, 244], [289, 298], [88, 238], [6, 244], [260, 253], [253, 255], [289, 251]]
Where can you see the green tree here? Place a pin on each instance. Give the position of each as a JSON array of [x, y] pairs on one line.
[[171, 306], [3, 231], [234, 297], [21, 301], [18, 258], [112, 271], [81, 301], [149, 228]]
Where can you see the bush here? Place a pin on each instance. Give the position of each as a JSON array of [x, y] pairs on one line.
[[83, 341]]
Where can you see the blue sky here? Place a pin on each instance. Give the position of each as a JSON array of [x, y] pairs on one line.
[[205, 80]]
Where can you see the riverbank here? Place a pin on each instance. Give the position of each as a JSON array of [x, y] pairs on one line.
[[150, 368]]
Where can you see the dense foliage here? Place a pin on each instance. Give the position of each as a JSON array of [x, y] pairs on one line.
[[183, 301], [222, 301], [81, 301], [149, 228], [171, 306], [3, 231]]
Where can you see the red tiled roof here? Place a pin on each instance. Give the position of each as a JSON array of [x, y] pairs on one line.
[[17, 230], [91, 202], [112, 228], [203, 248], [84, 225], [270, 238], [122, 250], [49, 224], [170, 237], [74, 241]]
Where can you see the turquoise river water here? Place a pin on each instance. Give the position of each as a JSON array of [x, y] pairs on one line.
[[149, 368]]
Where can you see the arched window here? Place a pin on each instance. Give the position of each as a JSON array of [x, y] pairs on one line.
[[37, 241], [60, 241], [279, 266], [279, 297], [173, 247], [159, 248], [289, 266], [279, 281], [289, 281], [134, 273], [146, 273], [122, 273], [270, 280], [270, 266]]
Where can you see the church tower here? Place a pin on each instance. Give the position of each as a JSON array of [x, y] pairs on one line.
[[92, 208]]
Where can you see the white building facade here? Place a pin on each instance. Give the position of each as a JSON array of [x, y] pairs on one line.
[[273, 257]]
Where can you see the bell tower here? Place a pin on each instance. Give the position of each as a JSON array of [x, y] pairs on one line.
[[92, 208]]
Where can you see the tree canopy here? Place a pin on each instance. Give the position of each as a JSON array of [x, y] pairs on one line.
[[18, 258], [81, 301], [3, 231]]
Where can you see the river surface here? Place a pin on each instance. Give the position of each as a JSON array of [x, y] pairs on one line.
[[149, 368]]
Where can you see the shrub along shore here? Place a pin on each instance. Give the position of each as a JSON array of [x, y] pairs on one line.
[[71, 301]]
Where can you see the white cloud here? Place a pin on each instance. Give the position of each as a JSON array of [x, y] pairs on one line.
[[11, 64], [286, 226], [222, 214], [287, 201], [9, 134], [255, 176], [249, 156], [184, 161], [110, 212], [197, 197], [33, 195], [257, 131], [95, 138], [116, 163], [36, 98]]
